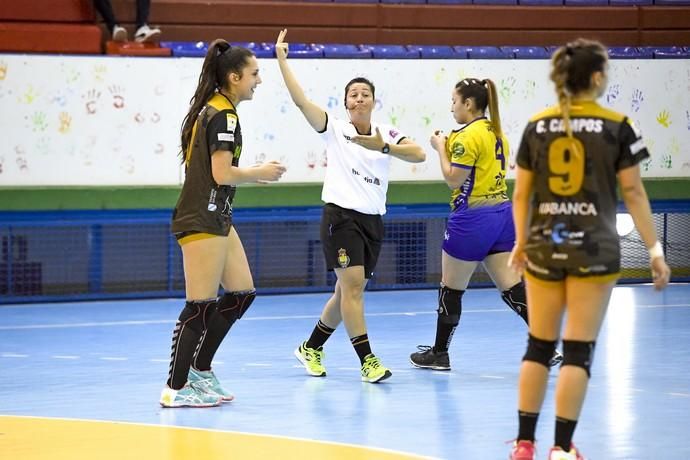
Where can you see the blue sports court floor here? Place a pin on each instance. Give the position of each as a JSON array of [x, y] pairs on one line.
[[71, 363]]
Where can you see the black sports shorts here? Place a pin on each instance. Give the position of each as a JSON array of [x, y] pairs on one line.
[[350, 238]]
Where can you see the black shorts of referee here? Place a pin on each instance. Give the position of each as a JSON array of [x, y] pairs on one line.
[[350, 238]]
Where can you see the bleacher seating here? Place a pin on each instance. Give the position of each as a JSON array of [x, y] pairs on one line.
[[437, 52], [671, 52], [526, 52], [630, 52], [484, 52], [136, 49], [430, 22], [347, 51], [392, 52], [304, 50], [49, 26], [586, 2], [363, 28]]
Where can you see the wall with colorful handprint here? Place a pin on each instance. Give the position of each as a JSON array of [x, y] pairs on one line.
[[115, 121]]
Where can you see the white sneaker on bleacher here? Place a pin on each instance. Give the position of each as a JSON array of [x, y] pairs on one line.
[[119, 34], [145, 34]]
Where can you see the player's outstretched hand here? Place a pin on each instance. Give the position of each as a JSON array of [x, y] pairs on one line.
[[281, 45]]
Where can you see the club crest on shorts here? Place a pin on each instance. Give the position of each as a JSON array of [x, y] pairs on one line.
[[343, 258]]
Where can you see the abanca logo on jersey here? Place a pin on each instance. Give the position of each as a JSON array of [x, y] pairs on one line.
[[554, 208]]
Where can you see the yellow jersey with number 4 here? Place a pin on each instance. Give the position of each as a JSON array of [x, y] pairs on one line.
[[475, 147]]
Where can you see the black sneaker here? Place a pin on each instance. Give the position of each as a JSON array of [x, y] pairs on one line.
[[427, 358]]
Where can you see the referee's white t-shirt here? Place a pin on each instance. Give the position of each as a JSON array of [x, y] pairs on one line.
[[356, 178]]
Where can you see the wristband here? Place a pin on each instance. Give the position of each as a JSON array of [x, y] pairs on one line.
[[656, 251]]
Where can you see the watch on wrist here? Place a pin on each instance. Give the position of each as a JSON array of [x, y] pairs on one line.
[[386, 148]]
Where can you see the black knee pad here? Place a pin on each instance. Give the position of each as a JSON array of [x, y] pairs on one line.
[[195, 314], [580, 354], [232, 305], [516, 298], [449, 305], [539, 351]]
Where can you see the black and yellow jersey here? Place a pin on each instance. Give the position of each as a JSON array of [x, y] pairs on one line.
[[203, 205], [573, 208]]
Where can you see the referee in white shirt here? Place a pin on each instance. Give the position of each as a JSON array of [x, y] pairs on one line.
[[358, 152]]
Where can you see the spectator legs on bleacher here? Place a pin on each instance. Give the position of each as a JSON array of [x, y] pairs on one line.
[[143, 33], [105, 9]]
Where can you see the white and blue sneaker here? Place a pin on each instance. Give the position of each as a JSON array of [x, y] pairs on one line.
[[187, 396], [207, 382]]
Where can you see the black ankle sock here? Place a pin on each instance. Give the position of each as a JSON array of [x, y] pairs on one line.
[[564, 432], [528, 425], [319, 336], [362, 346]]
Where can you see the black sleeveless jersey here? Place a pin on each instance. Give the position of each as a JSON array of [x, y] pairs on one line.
[[203, 205], [573, 208]]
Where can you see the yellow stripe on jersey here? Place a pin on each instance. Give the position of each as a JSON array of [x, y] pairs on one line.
[[218, 102], [475, 147], [191, 143], [581, 109]]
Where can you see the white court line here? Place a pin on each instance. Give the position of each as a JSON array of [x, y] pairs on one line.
[[668, 305], [684, 395], [65, 357], [93, 324], [14, 355], [496, 377], [258, 318], [113, 358], [272, 318]]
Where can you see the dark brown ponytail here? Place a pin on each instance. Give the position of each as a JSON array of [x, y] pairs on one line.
[[221, 59]]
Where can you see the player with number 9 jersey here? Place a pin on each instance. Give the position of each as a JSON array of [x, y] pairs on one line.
[[573, 217], [569, 162]]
